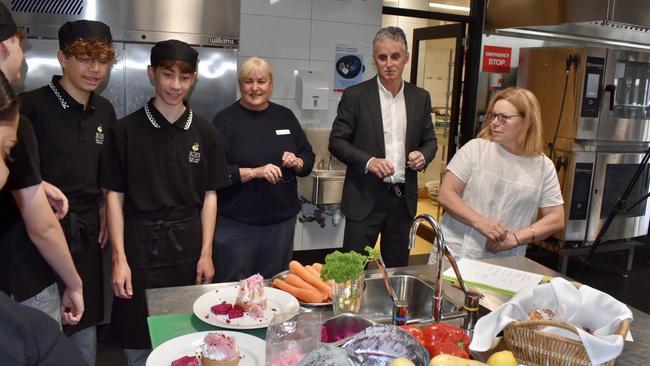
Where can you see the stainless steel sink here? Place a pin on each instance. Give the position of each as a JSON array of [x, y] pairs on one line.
[[322, 186], [378, 306]]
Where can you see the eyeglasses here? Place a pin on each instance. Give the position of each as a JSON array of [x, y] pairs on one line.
[[501, 118]]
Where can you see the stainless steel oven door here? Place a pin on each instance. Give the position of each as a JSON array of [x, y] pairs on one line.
[[625, 103], [612, 174]]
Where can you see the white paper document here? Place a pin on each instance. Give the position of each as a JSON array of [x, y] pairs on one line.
[[493, 277]]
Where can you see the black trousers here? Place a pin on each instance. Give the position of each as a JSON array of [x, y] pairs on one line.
[[392, 219]]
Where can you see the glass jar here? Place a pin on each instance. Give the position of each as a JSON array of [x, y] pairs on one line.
[[346, 296]]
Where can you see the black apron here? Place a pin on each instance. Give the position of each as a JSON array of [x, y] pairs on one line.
[[162, 250], [81, 228]]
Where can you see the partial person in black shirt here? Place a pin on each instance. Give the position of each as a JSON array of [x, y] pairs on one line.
[[266, 148], [70, 120], [27, 336], [31, 238], [161, 166]]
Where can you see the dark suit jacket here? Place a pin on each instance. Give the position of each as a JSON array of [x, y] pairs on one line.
[[358, 134]]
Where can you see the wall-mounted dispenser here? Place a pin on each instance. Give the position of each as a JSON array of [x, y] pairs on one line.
[[312, 89]]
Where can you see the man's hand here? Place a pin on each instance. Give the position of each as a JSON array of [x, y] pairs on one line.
[[493, 230], [57, 200], [72, 306], [270, 172], [122, 286], [382, 168], [204, 271], [415, 160]]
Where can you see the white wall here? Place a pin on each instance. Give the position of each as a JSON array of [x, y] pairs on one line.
[[302, 34]]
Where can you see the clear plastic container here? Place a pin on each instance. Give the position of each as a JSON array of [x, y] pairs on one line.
[[290, 337]]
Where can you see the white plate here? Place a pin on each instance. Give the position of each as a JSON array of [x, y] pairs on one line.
[[251, 349], [277, 301]]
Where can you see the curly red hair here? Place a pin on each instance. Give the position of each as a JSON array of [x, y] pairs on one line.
[[96, 50]]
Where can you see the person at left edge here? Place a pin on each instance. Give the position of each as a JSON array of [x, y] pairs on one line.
[[27, 335], [31, 239], [70, 120], [161, 165]]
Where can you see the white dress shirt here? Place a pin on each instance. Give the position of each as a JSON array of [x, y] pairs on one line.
[[393, 116]]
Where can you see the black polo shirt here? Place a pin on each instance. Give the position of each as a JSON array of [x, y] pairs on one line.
[[70, 137], [161, 166], [23, 271]]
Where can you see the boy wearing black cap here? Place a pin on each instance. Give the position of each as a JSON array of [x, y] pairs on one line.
[[69, 120], [31, 239], [161, 166]]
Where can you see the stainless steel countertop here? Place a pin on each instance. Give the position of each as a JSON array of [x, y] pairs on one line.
[[173, 300]]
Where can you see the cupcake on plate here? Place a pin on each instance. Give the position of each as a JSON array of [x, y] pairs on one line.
[[251, 293], [219, 350]]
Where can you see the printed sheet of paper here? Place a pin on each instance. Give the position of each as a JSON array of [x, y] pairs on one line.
[[492, 277]]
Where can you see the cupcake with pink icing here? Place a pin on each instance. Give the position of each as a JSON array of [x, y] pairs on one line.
[[250, 295], [219, 350]]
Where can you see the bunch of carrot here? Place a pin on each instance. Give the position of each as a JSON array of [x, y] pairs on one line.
[[305, 283]]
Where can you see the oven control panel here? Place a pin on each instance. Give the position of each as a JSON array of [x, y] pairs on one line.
[[592, 93]]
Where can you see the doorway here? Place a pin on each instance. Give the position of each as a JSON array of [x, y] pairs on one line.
[[437, 66]]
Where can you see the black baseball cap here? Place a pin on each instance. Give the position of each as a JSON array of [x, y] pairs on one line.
[[173, 49], [89, 30], [7, 25]]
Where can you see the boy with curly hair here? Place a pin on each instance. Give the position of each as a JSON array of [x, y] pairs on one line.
[[70, 121]]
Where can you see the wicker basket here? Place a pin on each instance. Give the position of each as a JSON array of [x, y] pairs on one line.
[[532, 346], [433, 187]]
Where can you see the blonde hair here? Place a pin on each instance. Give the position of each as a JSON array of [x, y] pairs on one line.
[[255, 65], [530, 138]]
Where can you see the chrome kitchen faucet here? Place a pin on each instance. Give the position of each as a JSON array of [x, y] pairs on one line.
[[471, 298]]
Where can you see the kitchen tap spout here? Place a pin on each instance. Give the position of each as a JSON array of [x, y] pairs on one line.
[[440, 253]]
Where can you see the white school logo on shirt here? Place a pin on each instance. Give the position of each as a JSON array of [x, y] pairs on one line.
[[195, 154], [283, 132], [99, 135]]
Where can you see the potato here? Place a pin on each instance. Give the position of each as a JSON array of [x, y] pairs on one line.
[[401, 361]]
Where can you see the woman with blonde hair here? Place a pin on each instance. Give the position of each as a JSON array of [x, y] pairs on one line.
[[495, 184], [266, 148]]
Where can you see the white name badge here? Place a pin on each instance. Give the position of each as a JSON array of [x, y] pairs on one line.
[[282, 132]]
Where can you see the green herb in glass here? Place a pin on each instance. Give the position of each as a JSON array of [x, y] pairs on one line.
[[342, 267], [346, 269]]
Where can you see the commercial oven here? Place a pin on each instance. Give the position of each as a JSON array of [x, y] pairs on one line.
[[596, 116]]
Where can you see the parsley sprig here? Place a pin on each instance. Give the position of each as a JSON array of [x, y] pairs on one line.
[[342, 267]]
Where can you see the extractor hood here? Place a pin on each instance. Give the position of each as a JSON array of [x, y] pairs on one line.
[[624, 23]]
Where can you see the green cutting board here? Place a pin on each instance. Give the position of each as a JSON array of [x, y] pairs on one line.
[[165, 327]]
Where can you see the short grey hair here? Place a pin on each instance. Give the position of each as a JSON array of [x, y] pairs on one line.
[[392, 33]]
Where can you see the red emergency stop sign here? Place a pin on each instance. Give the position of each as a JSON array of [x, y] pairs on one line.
[[496, 59]]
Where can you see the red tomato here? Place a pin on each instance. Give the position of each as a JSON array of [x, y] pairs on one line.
[[448, 349], [415, 332]]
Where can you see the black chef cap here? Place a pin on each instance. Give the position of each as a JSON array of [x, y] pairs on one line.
[[173, 49], [7, 24], [89, 30]]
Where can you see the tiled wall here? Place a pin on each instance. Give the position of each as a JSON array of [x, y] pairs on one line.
[[302, 34], [298, 35]]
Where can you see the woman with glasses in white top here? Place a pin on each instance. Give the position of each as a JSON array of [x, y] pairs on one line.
[[497, 183]]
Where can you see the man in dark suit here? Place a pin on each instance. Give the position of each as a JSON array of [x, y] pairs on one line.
[[383, 133]]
